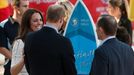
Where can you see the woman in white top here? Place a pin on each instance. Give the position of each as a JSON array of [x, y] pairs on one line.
[[32, 20]]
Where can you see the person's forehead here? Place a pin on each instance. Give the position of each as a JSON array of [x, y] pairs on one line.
[[36, 15], [24, 2]]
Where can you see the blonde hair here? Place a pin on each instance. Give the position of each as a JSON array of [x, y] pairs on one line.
[[68, 6]]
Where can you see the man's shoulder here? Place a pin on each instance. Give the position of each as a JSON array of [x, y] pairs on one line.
[[30, 34], [8, 22], [63, 37], [122, 44], [107, 45], [115, 45]]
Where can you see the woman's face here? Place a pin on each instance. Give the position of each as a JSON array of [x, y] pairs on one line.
[[110, 10], [113, 11], [36, 22]]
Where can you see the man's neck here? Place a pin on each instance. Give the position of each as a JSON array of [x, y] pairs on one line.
[[52, 25], [107, 38]]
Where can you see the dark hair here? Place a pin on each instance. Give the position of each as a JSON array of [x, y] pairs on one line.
[[124, 21], [123, 35], [16, 3], [121, 5], [54, 13], [25, 23], [108, 24], [115, 3]]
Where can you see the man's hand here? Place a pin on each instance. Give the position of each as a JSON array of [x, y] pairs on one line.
[[5, 52]]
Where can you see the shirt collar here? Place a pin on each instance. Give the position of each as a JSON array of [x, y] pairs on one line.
[[12, 20], [51, 26], [103, 41]]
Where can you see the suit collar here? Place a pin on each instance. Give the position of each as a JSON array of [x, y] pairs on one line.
[[51, 26], [46, 28], [108, 38]]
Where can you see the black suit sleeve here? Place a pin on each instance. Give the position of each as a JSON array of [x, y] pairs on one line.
[[68, 59], [99, 64], [3, 38], [26, 51]]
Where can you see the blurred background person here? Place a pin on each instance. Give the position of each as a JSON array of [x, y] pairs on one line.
[[46, 51], [68, 6], [10, 30], [117, 9], [32, 20]]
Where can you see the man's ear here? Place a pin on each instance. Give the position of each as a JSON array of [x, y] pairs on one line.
[[101, 29], [61, 20]]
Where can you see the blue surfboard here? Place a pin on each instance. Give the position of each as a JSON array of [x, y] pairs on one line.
[[80, 30]]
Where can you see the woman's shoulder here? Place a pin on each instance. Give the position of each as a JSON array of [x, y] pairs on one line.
[[18, 43]]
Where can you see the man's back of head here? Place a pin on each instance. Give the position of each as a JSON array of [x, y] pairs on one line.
[[108, 24], [54, 13]]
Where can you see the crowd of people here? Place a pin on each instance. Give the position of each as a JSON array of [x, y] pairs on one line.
[[31, 47]]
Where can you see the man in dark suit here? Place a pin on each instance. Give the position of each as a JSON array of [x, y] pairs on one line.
[[112, 57], [46, 51]]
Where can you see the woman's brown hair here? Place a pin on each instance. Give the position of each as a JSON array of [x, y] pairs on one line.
[[25, 23]]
